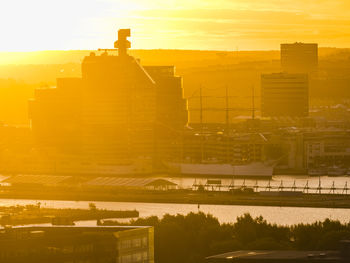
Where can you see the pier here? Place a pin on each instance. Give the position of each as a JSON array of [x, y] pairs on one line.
[[216, 185]]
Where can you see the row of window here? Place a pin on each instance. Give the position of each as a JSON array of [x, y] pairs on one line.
[[134, 257], [133, 243]]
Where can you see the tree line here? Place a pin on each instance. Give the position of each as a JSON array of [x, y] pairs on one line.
[[192, 237]]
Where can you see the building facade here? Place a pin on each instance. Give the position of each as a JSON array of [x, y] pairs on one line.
[[327, 148], [211, 147], [284, 94]]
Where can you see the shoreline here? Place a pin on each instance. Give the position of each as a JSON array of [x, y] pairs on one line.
[[183, 197], [35, 214]]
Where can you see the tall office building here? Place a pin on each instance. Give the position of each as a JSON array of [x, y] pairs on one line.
[[284, 94], [118, 111], [299, 58]]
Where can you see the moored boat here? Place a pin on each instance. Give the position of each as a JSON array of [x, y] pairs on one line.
[[252, 170]]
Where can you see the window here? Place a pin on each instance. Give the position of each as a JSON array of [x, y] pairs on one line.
[[126, 244], [145, 255], [126, 259], [136, 242], [136, 257]]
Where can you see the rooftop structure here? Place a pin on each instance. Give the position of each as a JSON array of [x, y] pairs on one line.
[[150, 183], [101, 181], [299, 57], [122, 44], [47, 180]]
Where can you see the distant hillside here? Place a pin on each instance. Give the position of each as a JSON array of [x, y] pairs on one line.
[[157, 56]]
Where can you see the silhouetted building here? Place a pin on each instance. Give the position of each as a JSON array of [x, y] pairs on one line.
[[284, 94], [77, 244], [118, 111], [299, 57]]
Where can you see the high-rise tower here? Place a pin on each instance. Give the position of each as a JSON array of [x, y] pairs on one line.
[[299, 58], [284, 95], [119, 110]]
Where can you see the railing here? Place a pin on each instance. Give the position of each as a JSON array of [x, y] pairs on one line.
[[282, 187]]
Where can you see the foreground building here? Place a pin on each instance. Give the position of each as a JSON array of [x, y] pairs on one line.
[[77, 244], [280, 256], [284, 94], [116, 113]]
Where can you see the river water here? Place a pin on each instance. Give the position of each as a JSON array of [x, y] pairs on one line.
[[225, 213]]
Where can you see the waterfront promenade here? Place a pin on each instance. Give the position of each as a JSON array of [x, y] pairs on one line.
[[180, 196]]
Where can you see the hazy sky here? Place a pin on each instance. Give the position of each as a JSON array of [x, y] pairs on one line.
[[181, 24]]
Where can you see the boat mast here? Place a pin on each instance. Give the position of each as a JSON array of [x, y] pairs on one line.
[[227, 126], [253, 103], [201, 122]]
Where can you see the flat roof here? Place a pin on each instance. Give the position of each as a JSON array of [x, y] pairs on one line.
[[77, 227], [129, 182], [274, 255], [36, 179]]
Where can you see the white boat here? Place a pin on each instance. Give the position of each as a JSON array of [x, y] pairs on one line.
[[258, 170]]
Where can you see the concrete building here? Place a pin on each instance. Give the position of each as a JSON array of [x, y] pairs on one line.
[[77, 244], [116, 112], [327, 148], [293, 142], [243, 148], [284, 94], [299, 57]]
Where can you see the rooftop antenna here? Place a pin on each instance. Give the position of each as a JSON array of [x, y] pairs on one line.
[[201, 122], [227, 125], [253, 102]]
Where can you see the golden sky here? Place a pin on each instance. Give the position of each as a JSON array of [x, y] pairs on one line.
[[28, 25]]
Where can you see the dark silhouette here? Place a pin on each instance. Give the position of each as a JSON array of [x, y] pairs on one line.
[[193, 237]]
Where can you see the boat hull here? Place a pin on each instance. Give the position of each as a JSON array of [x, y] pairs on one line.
[[255, 170]]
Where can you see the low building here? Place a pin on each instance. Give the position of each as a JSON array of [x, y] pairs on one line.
[[77, 244], [327, 147], [131, 183], [38, 181], [275, 256], [211, 146]]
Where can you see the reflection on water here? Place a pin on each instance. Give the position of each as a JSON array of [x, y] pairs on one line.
[[225, 213]]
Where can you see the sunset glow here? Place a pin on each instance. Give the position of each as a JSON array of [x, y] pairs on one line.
[[213, 25]]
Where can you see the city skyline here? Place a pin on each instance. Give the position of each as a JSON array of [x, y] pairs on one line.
[[175, 131]]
